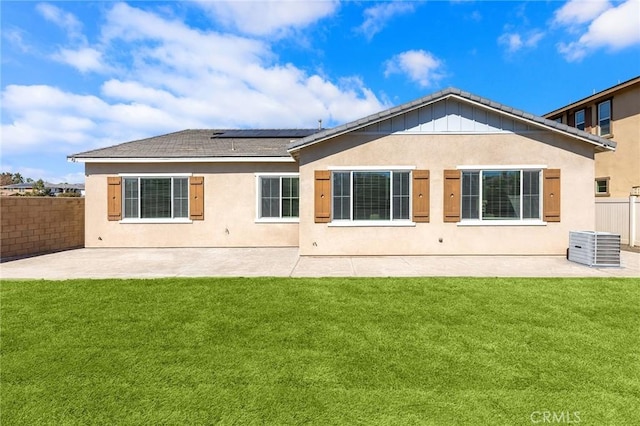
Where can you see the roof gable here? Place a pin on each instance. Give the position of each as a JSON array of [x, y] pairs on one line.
[[454, 111], [448, 115]]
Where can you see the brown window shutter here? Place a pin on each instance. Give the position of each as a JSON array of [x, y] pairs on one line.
[[587, 119], [452, 195], [196, 198], [571, 119], [551, 208], [322, 196], [114, 198], [421, 195]]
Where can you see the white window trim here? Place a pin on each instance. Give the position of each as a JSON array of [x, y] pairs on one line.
[[505, 222], [371, 223], [259, 219], [278, 220], [167, 220], [600, 133], [584, 118], [515, 222], [376, 223], [151, 176], [599, 179], [370, 168], [494, 167]]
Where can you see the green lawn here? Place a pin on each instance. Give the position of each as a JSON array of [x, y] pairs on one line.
[[320, 351]]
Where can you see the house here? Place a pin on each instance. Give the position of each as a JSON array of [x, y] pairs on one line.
[[450, 173], [17, 188], [54, 188], [613, 113]]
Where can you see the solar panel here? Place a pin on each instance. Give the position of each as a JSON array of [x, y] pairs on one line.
[[265, 133]]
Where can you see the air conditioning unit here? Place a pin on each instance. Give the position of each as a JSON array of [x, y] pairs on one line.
[[594, 248]]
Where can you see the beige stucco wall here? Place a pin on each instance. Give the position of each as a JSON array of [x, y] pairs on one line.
[[623, 165], [230, 209], [437, 153]]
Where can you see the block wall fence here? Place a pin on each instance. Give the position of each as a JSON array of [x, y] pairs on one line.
[[37, 225]]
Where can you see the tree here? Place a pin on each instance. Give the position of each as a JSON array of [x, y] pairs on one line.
[[39, 190], [17, 178], [6, 178]]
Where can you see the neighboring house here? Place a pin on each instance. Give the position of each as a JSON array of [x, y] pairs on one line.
[[612, 113], [16, 188], [450, 173], [55, 188]]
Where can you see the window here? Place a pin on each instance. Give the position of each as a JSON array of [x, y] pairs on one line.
[[371, 195], [580, 119], [501, 195], [558, 119], [602, 187], [279, 197], [604, 118], [156, 197]]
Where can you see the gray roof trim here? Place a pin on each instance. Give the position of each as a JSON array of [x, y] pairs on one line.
[[254, 159], [597, 141]]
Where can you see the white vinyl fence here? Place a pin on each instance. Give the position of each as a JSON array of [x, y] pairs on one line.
[[619, 216]]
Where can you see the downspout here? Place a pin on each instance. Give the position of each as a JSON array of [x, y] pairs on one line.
[[633, 226]]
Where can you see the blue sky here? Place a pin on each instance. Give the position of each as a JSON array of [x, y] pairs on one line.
[[83, 75]]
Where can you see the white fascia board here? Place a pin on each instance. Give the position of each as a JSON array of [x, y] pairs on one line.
[[186, 160]]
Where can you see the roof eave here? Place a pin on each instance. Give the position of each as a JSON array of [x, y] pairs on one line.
[[592, 98], [250, 159]]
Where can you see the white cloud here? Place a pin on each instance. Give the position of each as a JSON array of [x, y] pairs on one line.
[[376, 17], [163, 76], [475, 16], [420, 66], [79, 55], [66, 21], [84, 59], [514, 41], [580, 11], [270, 17], [614, 28], [15, 37], [617, 28]]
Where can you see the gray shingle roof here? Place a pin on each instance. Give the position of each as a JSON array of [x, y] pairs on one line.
[[203, 143], [504, 109]]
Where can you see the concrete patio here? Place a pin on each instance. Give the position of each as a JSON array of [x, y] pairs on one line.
[[285, 262]]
